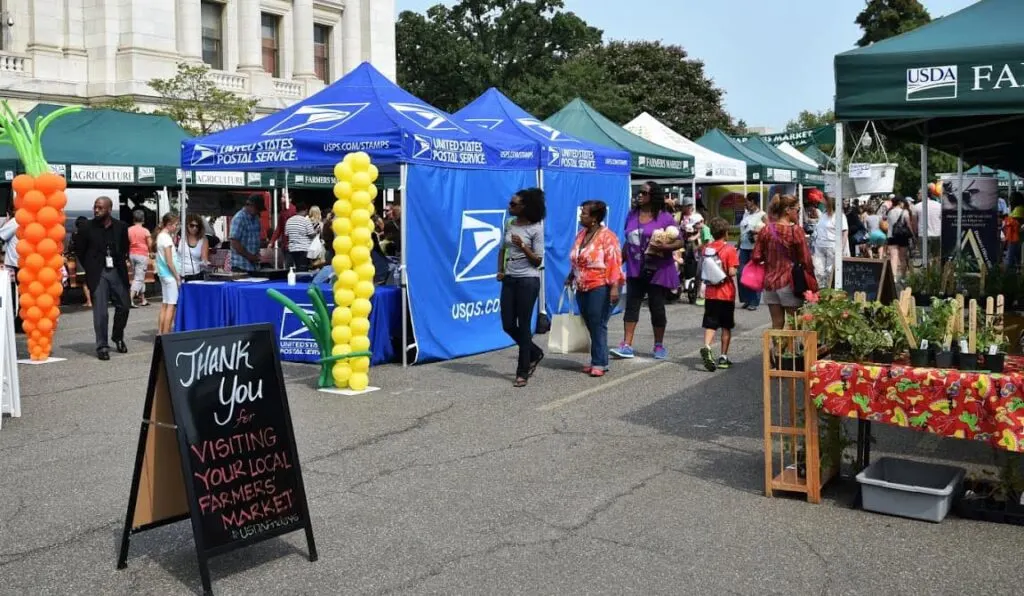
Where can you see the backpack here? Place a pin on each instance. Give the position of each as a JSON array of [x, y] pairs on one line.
[[711, 269]]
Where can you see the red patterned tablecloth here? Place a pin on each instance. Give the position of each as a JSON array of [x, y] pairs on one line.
[[967, 405]]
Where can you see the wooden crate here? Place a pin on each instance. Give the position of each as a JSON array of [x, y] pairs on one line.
[[791, 433]]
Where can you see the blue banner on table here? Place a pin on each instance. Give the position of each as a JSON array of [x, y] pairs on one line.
[[566, 191], [455, 221], [979, 237], [362, 111]]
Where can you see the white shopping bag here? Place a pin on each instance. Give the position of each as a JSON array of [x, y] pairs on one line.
[[568, 331]]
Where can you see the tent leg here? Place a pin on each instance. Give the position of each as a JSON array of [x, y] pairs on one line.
[[275, 222], [404, 280], [760, 191], [960, 203], [839, 215], [543, 274], [926, 201]]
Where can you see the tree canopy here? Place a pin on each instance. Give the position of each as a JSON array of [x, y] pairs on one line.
[[542, 57], [882, 19], [808, 119]]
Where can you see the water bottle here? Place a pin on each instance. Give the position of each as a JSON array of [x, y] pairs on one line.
[[291, 276]]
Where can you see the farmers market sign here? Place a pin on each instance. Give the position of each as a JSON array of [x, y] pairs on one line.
[[103, 174]]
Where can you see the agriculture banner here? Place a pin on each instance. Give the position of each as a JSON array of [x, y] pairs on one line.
[[979, 200]]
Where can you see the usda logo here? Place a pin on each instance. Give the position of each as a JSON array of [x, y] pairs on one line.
[[931, 82]]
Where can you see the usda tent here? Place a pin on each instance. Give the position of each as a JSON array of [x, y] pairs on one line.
[[456, 180], [709, 167], [649, 160], [571, 171], [955, 83]]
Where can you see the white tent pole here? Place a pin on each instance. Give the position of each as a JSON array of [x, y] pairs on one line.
[[275, 222], [760, 191], [181, 213], [800, 201], [960, 201], [838, 267], [926, 202], [402, 176], [541, 308]]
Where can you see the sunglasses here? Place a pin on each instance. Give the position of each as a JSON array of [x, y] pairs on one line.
[[514, 204], [192, 225], [642, 193]]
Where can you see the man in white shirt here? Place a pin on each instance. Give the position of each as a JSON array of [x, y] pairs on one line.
[[933, 231]]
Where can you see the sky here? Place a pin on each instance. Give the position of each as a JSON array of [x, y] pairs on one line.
[[773, 58]]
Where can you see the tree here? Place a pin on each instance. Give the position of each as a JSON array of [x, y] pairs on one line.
[[808, 119], [121, 103], [450, 56], [585, 77], [194, 101], [882, 19], [740, 127], [663, 81]]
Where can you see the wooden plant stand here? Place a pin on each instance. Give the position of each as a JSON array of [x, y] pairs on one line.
[[790, 416]]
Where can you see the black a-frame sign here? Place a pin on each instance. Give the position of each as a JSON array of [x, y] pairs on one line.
[[217, 446]]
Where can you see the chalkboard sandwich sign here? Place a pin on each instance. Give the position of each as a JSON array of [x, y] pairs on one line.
[[216, 445], [871, 276]]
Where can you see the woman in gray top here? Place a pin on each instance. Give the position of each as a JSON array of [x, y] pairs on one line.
[[519, 273]]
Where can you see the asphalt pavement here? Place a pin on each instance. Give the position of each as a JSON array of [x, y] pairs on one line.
[[449, 481]]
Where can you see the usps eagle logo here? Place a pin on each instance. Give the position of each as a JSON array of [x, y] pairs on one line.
[[202, 154], [425, 116], [317, 118]]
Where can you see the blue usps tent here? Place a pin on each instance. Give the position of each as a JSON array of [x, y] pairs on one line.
[[455, 180], [571, 171]]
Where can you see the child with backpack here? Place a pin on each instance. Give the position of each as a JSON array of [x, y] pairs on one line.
[[718, 270]]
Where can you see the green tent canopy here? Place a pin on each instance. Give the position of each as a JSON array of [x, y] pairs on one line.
[[819, 156], [806, 174], [957, 82], [1003, 178], [759, 168], [107, 147], [649, 160]]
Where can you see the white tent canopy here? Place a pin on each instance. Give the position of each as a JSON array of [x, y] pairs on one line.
[[709, 167], [796, 154]]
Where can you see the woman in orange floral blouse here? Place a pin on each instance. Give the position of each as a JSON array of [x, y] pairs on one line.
[[597, 275]]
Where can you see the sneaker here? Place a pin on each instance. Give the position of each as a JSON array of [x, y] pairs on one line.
[[724, 362], [660, 352], [623, 351], [700, 302], [707, 358]]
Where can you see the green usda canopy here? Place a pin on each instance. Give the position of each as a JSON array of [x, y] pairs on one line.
[[577, 118], [957, 82]]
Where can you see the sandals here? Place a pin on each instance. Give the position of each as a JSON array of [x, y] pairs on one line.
[[519, 382]]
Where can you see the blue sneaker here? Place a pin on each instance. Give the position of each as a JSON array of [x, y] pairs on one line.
[[623, 351], [660, 352]]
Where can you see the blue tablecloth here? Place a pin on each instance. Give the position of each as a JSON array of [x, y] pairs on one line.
[[207, 305]]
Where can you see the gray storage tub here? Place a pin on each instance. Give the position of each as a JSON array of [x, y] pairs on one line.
[[910, 489]]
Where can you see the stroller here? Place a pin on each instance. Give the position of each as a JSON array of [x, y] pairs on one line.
[[689, 272]]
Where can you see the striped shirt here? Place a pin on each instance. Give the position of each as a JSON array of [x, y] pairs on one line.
[[300, 232]]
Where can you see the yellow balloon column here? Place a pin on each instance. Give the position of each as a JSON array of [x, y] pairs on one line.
[[353, 241]]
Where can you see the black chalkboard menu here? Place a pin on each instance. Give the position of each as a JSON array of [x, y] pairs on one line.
[[871, 276], [217, 445]]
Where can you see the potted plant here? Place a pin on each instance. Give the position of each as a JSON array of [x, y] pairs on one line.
[[992, 343], [939, 315], [836, 319], [965, 359], [886, 319], [995, 498], [926, 282]]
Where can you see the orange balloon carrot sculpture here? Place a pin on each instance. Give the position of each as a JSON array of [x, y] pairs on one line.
[[39, 202]]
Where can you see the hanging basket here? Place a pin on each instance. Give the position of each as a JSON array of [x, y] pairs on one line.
[[873, 178], [832, 185]]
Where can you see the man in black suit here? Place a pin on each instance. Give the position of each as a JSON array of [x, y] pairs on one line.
[[102, 249]]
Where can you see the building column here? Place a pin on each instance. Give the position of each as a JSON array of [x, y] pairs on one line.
[[250, 37], [189, 34], [351, 25], [302, 36]]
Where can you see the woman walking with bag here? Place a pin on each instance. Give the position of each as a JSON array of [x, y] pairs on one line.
[[650, 268], [901, 230], [782, 248], [596, 274], [519, 272]]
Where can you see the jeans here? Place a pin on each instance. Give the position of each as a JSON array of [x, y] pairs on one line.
[[518, 299], [325, 275], [596, 308], [110, 286], [747, 296], [1012, 260]]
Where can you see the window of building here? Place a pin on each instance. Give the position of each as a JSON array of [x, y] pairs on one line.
[[271, 46], [213, 34], [322, 52]]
